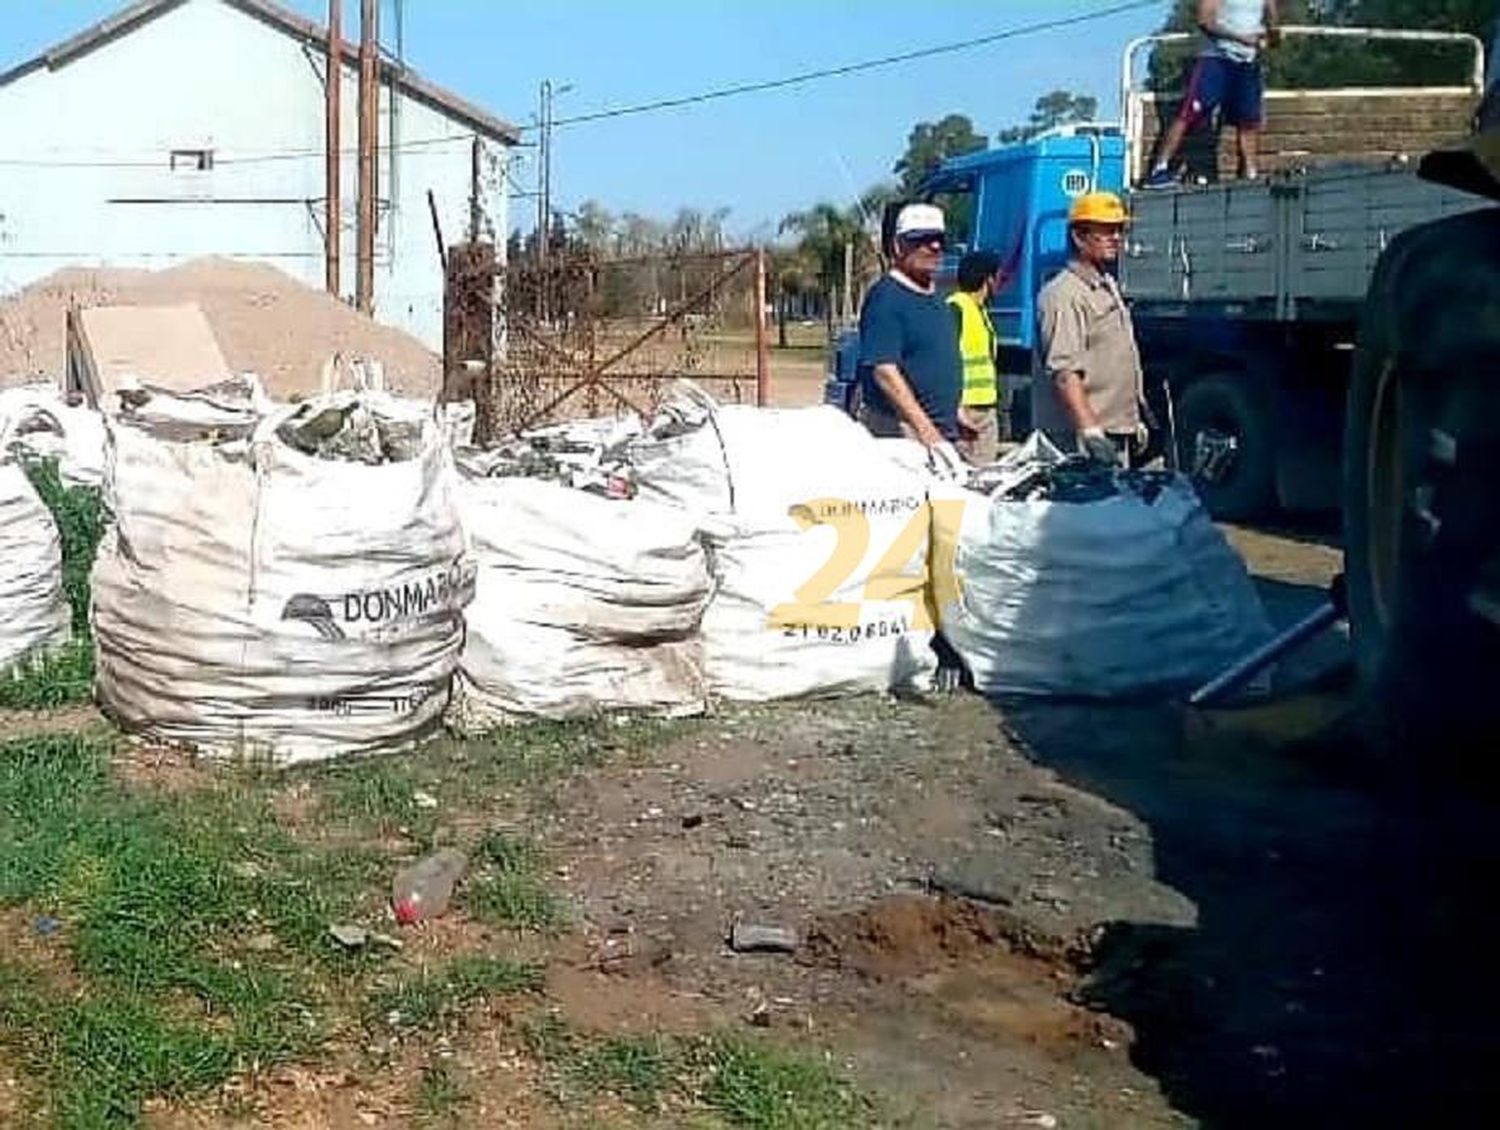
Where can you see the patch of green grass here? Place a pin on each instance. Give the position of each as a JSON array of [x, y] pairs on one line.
[[196, 928], [104, 1055], [538, 756], [378, 791], [50, 680], [80, 519], [506, 888], [435, 996], [745, 1083], [762, 1087], [642, 1070], [440, 1094], [518, 902], [46, 682]]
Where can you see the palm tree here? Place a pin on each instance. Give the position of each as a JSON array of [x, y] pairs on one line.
[[823, 231]]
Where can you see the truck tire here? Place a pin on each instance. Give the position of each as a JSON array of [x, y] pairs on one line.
[[1421, 510], [1225, 442]]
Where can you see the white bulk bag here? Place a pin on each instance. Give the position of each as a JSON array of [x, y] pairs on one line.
[[34, 612], [252, 598], [1107, 599], [582, 604], [44, 425], [819, 535]]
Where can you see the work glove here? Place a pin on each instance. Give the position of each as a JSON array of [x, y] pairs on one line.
[[1098, 447], [946, 463]]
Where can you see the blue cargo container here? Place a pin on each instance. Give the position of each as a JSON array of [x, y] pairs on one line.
[[1018, 199]]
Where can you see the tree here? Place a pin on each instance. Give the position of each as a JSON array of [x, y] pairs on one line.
[[931, 143], [1056, 108], [823, 232], [594, 227]]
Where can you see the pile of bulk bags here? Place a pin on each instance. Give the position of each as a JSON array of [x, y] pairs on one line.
[[818, 534], [582, 603], [1078, 583], [274, 587], [34, 612]]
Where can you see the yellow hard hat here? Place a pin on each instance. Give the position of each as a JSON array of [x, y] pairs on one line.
[[1098, 208]]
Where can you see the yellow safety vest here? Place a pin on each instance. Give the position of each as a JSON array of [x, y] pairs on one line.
[[976, 343]]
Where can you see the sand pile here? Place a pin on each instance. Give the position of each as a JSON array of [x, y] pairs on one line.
[[266, 322]]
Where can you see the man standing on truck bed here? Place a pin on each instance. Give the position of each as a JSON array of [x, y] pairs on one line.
[[1088, 390], [1226, 76], [979, 406], [910, 371]]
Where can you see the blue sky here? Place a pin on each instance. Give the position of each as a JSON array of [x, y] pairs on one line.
[[761, 155]]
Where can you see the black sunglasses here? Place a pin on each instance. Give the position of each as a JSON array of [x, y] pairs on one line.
[[925, 239]]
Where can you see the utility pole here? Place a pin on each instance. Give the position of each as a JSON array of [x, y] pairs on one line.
[[543, 168], [333, 81], [369, 125], [544, 163]]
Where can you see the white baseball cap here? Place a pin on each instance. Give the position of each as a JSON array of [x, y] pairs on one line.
[[919, 219]]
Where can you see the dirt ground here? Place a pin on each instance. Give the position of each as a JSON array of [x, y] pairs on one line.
[[1154, 917], [1007, 915]]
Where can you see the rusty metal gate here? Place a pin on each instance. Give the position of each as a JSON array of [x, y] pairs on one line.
[[584, 335]]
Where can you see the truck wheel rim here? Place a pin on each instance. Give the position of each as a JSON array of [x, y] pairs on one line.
[[1215, 452], [1384, 492]]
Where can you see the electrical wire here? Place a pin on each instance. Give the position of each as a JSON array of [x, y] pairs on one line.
[[1055, 24], [1039, 27]]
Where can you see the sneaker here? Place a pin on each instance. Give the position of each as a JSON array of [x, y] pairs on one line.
[[1160, 178]]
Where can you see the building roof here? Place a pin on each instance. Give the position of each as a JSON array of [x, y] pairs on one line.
[[402, 78]]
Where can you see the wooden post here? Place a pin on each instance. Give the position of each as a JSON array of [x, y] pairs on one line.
[[333, 80], [762, 343], [369, 125]]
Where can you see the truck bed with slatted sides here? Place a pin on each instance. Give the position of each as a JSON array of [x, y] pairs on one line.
[[1296, 245]]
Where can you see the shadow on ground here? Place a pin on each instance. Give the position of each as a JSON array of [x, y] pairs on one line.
[[1338, 974]]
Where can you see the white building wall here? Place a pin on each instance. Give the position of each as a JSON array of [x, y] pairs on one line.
[[85, 176]]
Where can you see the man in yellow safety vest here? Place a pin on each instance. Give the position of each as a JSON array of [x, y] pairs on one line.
[[979, 408]]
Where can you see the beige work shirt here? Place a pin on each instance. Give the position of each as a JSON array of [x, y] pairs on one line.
[[1085, 328]]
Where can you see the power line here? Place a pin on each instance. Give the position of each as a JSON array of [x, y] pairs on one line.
[[1056, 24]]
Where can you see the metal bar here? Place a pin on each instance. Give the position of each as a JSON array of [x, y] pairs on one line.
[[333, 81], [437, 232], [675, 314], [762, 344], [369, 122], [590, 380], [1297, 31], [1240, 673], [474, 191]]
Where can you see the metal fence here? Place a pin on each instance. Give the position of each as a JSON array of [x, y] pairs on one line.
[[585, 335]]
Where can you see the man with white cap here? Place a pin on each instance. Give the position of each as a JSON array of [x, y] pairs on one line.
[[911, 372]]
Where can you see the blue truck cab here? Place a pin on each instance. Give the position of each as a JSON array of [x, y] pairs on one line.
[[1013, 202]]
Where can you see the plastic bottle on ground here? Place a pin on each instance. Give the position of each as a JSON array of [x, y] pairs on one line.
[[424, 889]]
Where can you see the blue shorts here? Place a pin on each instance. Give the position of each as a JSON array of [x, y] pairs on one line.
[[1225, 84]]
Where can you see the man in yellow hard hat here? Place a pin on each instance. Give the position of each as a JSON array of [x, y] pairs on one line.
[[1088, 391], [979, 403]]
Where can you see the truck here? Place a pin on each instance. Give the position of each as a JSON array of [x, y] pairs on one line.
[[1246, 295], [1421, 464]]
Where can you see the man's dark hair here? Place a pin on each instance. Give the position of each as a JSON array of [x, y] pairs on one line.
[[975, 267]]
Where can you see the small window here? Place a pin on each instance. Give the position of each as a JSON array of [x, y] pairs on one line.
[[192, 160]]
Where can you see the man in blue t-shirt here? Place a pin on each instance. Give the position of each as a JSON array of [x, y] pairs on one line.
[[911, 373]]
